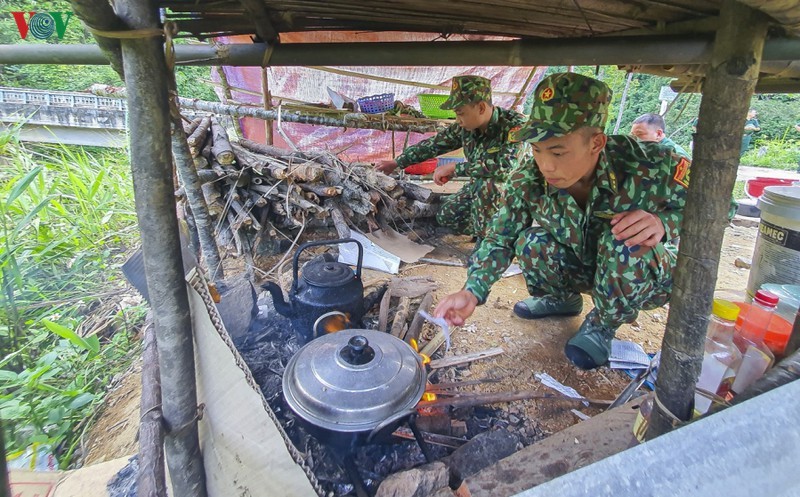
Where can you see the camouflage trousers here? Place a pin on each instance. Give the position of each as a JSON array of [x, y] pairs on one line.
[[469, 211], [621, 281]]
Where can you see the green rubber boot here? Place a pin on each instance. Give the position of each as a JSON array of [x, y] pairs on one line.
[[591, 345], [542, 307]]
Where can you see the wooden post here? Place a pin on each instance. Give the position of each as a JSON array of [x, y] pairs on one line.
[[729, 84], [622, 102], [151, 165], [267, 103], [5, 484], [190, 180], [227, 97], [151, 480]]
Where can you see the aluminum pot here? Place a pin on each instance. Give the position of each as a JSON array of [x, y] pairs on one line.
[[354, 386]]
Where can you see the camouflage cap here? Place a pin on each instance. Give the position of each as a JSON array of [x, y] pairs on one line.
[[564, 102], [468, 90]]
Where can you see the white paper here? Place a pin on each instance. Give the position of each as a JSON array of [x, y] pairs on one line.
[[551, 382], [399, 245], [512, 270], [442, 323], [580, 415], [374, 256], [628, 355]]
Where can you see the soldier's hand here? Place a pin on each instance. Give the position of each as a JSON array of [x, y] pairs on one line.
[[386, 166], [456, 307], [443, 174], [637, 228]]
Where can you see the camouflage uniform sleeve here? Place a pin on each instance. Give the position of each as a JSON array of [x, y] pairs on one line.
[[497, 249], [671, 212], [447, 140]]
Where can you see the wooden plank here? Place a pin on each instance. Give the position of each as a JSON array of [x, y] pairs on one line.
[[463, 359], [578, 446]]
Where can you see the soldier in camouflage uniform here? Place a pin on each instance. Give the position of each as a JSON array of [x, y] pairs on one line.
[[482, 130], [651, 128], [603, 208]]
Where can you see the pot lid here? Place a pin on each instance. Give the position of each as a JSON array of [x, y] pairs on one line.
[[328, 274], [352, 380]]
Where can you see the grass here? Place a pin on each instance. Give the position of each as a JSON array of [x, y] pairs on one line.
[[66, 221], [775, 154], [738, 190]]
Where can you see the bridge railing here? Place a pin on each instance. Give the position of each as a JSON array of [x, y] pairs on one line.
[[60, 99]]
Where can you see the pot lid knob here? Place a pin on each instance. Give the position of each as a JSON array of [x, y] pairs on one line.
[[357, 351]]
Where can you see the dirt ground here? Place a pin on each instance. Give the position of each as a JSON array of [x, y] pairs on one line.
[[530, 347]]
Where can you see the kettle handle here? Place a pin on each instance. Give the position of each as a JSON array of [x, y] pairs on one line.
[[295, 265]]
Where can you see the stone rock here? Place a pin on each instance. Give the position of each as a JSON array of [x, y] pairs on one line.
[[422, 481], [482, 451], [237, 306], [743, 262]]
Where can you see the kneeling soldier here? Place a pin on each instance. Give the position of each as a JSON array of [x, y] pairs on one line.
[[589, 213]]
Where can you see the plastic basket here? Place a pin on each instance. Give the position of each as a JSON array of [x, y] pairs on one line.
[[429, 105], [424, 167], [443, 161], [375, 104]]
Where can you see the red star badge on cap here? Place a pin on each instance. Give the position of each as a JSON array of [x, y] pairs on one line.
[[546, 94]]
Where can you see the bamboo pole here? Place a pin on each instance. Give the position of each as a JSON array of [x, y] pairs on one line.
[[190, 180], [650, 50], [267, 98], [5, 488], [151, 480], [726, 98], [343, 121], [622, 102], [149, 128], [227, 97]]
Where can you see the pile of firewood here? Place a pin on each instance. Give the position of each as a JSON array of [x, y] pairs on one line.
[[256, 187]]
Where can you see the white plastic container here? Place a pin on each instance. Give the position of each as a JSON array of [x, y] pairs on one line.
[[777, 253]]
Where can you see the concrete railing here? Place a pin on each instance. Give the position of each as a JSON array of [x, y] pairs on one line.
[[60, 99]]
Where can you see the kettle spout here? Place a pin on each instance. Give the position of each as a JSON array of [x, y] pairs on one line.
[[284, 308]]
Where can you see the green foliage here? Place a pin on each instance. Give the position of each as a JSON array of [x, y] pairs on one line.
[[76, 78], [775, 154], [66, 218], [777, 113], [190, 84]]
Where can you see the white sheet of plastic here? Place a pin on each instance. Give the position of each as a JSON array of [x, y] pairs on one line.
[[243, 450]]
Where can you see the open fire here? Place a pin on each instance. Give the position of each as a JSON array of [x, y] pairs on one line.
[[267, 349]]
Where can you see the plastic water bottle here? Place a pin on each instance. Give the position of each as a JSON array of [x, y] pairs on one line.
[[756, 356], [721, 357], [721, 330], [755, 322]]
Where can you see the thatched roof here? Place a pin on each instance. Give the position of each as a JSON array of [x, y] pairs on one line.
[[528, 20], [513, 18]]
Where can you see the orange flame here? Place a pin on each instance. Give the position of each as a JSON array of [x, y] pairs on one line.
[[413, 343], [335, 322], [425, 359], [428, 396]]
